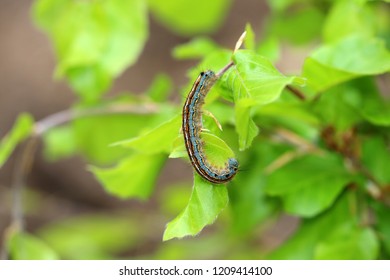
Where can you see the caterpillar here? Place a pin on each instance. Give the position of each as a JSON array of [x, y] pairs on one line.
[[192, 126]]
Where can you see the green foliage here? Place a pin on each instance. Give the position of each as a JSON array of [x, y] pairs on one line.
[[254, 81], [133, 176], [94, 40], [21, 130], [303, 183], [336, 63], [24, 246], [90, 236], [205, 203], [190, 17], [312, 144], [336, 234]]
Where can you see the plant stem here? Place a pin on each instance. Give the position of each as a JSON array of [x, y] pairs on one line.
[[224, 69], [296, 92], [71, 114]]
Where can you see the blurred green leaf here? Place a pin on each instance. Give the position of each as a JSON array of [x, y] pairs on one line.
[[245, 126], [348, 243], [249, 40], [253, 81], [190, 17], [360, 97], [310, 184], [335, 108], [206, 202], [106, 129], [302, 244], [178, 148], [160, 88], [360, 20], [60, 142], [269, 48], [336, 63], [123, 119], [375, 108], [281, 5], [297, 117], [376, 158], [95, 41], [298, 26], [157, 140], [199, 47], [133, 176], [19, 132], [24, 246], [250, 206], [383, 224], [91, 236], [174, 198]]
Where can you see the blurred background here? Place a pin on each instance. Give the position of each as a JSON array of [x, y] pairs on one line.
[[63, 189], [64, 204]]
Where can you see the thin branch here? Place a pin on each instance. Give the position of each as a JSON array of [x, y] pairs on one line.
[[22, 168], [296, 92], [224, 69], [71, 114]]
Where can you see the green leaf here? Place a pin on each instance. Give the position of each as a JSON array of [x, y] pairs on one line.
[[336, 108], [95, 41], [281, 5], [206, 202], [348, 243], [336, 63], [310, 184], [298, 26], [91, 236], [20, 131], [363, 95], [360, 20], [133, 176], [178, 148], [249, 203], [190, 17], [297, 117], [110, 128], [253, 81], [302, 244], [60, 142], [24, 246], [383, 225], [269, 48], [157, 140], [255, 77], [216, 150], [375, 108], [160, 88], [246, 127], [249, 40], [376, 158], [198, 47]]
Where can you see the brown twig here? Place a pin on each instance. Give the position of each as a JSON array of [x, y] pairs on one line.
[[296, 92], [224, 69], [71, 114]]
